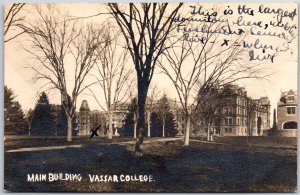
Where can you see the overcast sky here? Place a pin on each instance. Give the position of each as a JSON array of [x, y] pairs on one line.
[[18, 78]]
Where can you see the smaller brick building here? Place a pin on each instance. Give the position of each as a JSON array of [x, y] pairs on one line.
[[88, 120], [287, 111]]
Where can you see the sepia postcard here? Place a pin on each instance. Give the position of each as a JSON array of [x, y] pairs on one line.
[[150, 97]]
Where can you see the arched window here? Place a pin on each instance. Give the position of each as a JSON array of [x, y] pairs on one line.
[[290, 125], [226, 110]]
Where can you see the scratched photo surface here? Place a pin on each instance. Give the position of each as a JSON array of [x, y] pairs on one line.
[[150, 97]]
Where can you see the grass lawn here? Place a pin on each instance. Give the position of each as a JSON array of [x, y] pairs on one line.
[[198, 168]]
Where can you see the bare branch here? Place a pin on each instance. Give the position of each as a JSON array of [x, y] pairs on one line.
[[12, 20], [202, 66], [53, 40]]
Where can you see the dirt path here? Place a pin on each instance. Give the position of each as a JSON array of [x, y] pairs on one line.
[[44, 148]]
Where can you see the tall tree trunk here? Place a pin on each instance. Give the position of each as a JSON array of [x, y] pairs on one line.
[[187, 131], [135, 125], [208, 132], [69, 128], [110, 130], [149, 123], [142, 93], [164, 124], [29, 127]]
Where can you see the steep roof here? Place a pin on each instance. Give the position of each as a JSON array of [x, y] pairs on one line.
[[291, 92], [84, 106]]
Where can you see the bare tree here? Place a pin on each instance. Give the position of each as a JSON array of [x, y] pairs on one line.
[[145, 28], [153, 95], [204, 62], [113, 76], [65, 54], [207, 107], [12, 20], [163, 108]]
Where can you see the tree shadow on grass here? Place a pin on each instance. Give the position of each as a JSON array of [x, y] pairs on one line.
[[174, 169]]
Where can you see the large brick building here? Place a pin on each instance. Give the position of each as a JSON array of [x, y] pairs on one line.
[[240, 115], [287, 111]]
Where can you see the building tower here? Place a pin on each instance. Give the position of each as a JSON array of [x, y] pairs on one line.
[[84, 119]]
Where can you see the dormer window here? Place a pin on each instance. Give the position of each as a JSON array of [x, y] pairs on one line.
[[290, 98]]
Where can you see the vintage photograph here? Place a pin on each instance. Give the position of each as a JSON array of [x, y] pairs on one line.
[[150, 97]]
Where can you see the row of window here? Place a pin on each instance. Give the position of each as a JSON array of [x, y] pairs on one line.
[[241, 102], [229, 121], [228, 129], [240, 111]]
